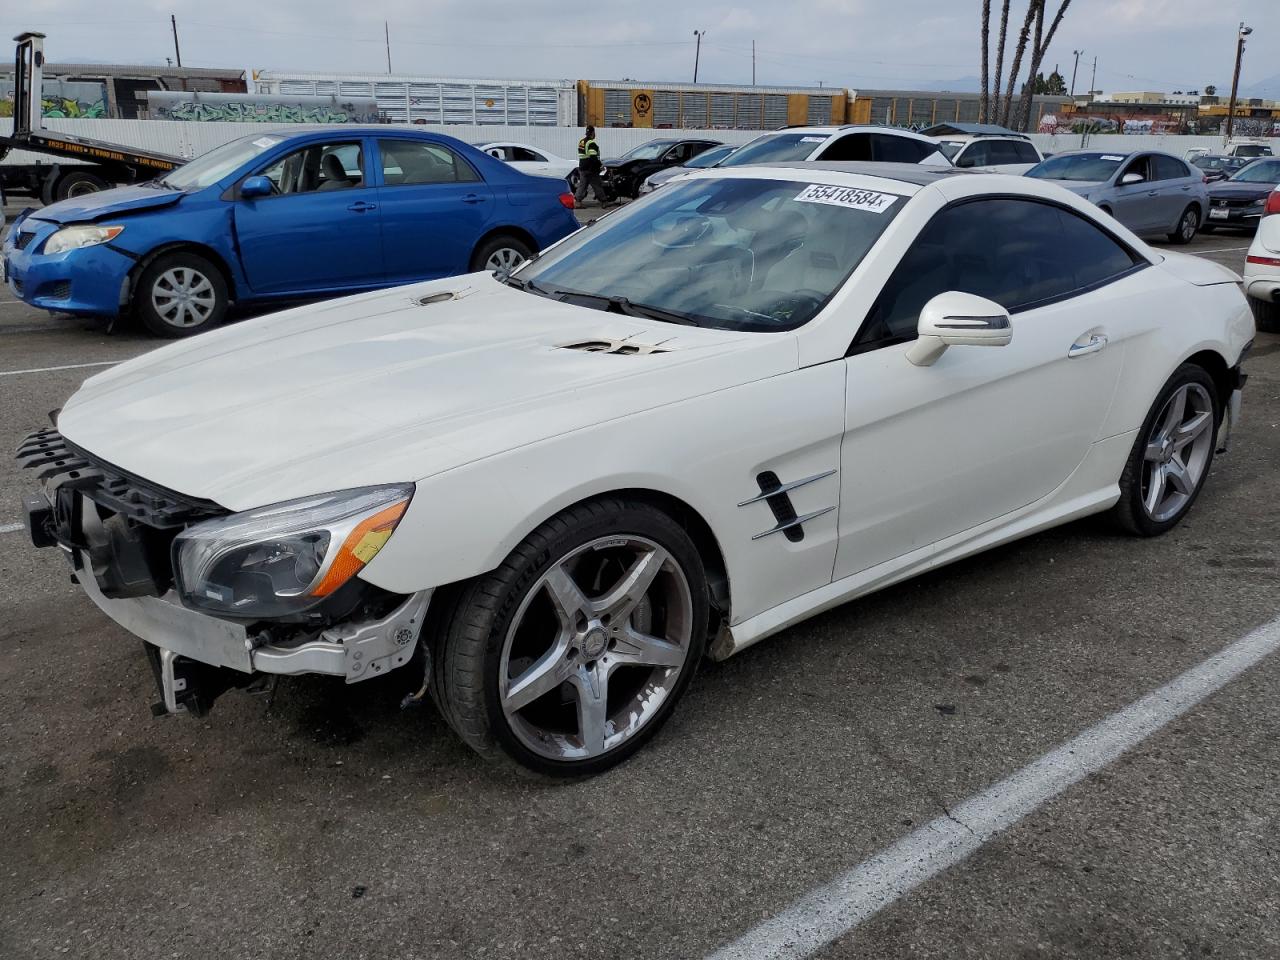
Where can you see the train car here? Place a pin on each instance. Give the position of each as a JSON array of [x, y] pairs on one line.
[[115, 91], [705, 106], [436, 100]]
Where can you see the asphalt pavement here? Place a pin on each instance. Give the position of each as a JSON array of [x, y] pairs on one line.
[[327, 823]]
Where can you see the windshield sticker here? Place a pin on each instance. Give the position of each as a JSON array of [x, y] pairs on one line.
[[1108, 156], [812, 139], [852, 197], [265, 142]]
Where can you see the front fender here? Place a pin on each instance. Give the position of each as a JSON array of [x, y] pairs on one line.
[[706, 452]]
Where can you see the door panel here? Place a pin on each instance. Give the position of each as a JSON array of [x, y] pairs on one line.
[[1137, 205], [434, 209], [930, 452], [317, 234], [933, 451]]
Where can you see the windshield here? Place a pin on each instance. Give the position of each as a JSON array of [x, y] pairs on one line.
[[1078, 166], [950, 148], [1253, 150], [208, 168], [776, 146], [709, 158], [731, 253], [648, 151], [1216, 163], [1260, 171]]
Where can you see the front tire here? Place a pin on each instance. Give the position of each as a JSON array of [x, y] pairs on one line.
[[569, 656], [1188, 225], [180, 294], [573, 180], [1171, 455], [501, 253]]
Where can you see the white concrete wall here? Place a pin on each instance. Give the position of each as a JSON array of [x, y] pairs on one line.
[[192, 139]]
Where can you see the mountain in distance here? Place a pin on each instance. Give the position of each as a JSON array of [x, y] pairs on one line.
[[1268, 89]]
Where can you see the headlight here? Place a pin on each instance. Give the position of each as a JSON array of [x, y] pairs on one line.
[[73, 238], [285, 558]]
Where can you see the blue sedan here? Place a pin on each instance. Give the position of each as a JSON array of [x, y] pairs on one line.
[[283, 216]]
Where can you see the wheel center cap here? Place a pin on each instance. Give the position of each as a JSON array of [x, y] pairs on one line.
[[1166, 450], [594, 642]]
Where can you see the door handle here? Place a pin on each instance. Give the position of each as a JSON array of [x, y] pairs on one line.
[[1153, 193], [473, 198], [1095, 343], [360, 206]]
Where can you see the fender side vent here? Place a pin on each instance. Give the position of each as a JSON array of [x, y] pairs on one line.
[[775, 493]]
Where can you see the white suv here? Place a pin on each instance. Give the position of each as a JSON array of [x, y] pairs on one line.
[[1262, 267], [876, 144], [1002, 154]]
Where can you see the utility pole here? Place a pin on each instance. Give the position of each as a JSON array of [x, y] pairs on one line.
[[1093, 81], [1073, 71], [753, 63], [1241, 33], [697, 53], [173, 21], [386, 32]]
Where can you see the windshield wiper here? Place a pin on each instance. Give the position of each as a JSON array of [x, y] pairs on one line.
[[629, 308], [528, 285]]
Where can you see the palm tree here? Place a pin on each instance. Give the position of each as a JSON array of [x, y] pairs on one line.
[[986, 43], [993, 107]]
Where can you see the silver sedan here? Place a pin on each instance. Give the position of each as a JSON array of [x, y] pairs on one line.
[[1151, 193]]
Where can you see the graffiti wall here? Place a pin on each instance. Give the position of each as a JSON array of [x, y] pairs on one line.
[[61, 98], [1116, 123], [247, 108]]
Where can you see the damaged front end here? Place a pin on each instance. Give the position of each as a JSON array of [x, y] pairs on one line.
[[251, 608]]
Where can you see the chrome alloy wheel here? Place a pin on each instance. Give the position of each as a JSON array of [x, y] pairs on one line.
[[1177, 452], [183, 297], [595, 647], [504, 259]]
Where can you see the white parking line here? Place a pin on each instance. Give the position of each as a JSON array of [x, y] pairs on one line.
[[69, 366], [11, 527], [1222, 250], [839, 907]]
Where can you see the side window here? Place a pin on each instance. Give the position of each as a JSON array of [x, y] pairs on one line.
[[1169, 168], [500, 153], [526, 155], [854, 146], [406, 162], [1026, 152], [1137, 165], [321, 166], [1039, 252], [1004, 151], [890, 149], [1090, 253], [977, 154]]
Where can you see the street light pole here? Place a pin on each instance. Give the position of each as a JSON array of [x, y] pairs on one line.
[[697, 53], [1073, 71], [1241, 33]]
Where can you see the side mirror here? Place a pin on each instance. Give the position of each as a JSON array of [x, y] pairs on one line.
[[1131, 178], [956, 319], [255, 187]]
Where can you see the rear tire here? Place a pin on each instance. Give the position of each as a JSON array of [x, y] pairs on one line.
[[573, 180], [571, 655], [180, 294], [1187, 226], [1171, 455], [502, 252], [1266, 315]]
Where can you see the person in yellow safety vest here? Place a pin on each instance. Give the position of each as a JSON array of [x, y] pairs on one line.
[[589, 169]]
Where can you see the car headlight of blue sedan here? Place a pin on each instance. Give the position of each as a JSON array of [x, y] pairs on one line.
[[85, 235]]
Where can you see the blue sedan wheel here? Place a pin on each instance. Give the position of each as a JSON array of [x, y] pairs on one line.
[[180, 294]]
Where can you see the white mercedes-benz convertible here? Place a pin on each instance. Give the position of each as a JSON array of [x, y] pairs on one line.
[[756, 394]]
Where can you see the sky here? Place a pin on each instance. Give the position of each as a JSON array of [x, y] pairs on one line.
[[914, 44]]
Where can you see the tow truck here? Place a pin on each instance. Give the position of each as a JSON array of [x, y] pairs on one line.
[[87, 165]]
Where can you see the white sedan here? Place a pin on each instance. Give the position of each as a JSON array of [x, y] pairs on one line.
[[534, 161], [1262, 266], [543, 498]]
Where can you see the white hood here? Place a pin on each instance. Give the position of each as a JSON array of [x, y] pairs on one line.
[[380, 389]]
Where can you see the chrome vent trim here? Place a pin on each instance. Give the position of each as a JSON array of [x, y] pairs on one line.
[[787, 488], [792, 524]]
